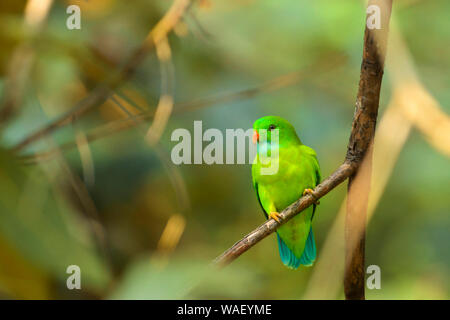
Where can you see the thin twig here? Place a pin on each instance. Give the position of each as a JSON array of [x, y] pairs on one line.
[[124, 124], [22, 60], [103, 91], [130, 122]]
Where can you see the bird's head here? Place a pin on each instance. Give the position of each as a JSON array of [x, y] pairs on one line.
[[270, 125]]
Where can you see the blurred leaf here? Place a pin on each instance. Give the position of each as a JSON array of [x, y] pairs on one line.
[[19, 278], [45, 230], [183, 278], [151, 279]]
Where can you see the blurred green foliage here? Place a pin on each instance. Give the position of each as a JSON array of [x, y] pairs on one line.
[[45, 221]]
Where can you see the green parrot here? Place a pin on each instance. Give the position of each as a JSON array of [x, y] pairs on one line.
[[297, 173]]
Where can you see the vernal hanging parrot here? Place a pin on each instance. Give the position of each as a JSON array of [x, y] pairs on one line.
[[297, 173]]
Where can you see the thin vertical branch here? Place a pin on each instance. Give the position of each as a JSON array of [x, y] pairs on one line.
[[360, 147]]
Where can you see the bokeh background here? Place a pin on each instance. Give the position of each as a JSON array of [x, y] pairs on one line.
[[139, 226]]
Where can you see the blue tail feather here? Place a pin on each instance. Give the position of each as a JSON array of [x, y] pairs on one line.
[[309, 253], [287, 256], [290, 260]]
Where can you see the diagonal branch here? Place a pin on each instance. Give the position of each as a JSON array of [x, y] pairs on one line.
[[339, 176], [361, 138]]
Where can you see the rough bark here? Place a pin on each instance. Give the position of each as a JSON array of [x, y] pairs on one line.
[[360, 151]]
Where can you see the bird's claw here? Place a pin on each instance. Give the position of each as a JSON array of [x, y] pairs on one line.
[[275, 216], [310, 191]]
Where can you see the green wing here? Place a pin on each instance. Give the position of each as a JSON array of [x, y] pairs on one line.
[[316, 166], [315, 163], [255, 185]]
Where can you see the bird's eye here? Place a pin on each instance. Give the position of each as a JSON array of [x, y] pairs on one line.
[[271, 127]]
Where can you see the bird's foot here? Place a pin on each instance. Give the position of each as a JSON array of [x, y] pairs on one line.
[[275, 216], [310, 191]]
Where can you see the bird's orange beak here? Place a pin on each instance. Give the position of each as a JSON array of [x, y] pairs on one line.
[[255, 137]]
